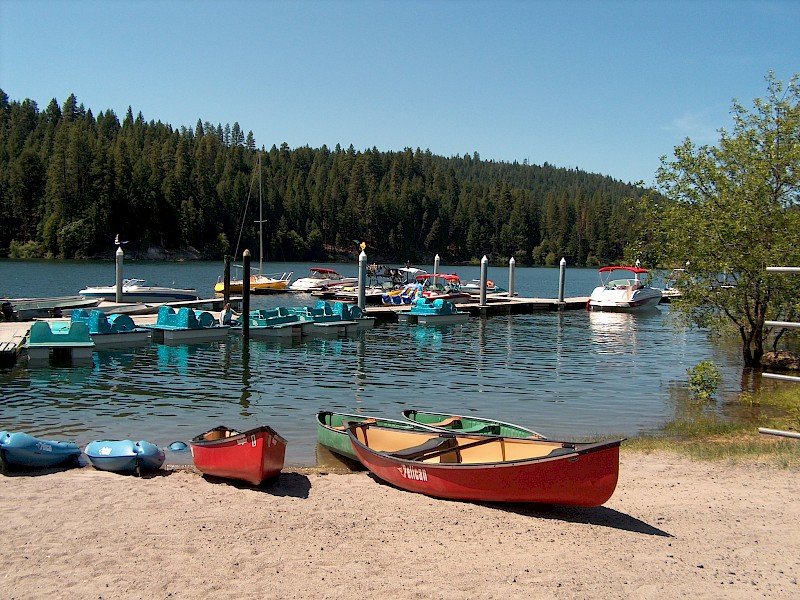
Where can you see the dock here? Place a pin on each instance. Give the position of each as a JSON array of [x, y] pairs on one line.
[[14, 333], [496, 305], [12, 337]]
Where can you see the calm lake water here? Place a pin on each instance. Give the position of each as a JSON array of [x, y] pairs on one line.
[[565, 375]]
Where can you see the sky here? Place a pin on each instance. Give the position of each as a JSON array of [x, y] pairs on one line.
[[606, 87]]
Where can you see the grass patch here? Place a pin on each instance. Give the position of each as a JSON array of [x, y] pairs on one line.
[[732, 435]]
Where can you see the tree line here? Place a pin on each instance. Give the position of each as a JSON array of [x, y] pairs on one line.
[[70, 181]]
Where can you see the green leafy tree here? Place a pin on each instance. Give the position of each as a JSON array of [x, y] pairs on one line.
[[730, 210]]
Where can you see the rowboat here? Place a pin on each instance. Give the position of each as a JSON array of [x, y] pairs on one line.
[[252, 456], [489, 468], [25, 451], [332, 430], [124, 456], [479, 425]]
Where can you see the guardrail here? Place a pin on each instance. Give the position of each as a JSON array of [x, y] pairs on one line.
[[784, 324]]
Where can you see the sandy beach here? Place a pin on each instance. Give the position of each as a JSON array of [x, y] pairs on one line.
[[674, 528]]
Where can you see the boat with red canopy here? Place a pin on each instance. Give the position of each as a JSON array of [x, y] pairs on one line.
[[441, 285], [489, 468], [626, 295], [254, 456]]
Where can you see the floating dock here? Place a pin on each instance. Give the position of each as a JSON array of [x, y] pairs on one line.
[[14, 333], [496, 305]]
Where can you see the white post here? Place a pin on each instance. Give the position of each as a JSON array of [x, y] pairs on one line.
[[362, 280], [511, 266], [119, 258], [562, 271], [436, 262], [484, 277]]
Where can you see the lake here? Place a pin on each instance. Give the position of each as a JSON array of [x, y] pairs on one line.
[[562, 374]]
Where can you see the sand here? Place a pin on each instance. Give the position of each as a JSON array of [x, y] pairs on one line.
[[674, 528]]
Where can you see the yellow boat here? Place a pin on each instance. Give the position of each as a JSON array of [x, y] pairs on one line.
[[259, 284]]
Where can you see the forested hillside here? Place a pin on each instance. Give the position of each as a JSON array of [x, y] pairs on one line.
[[70, 181]]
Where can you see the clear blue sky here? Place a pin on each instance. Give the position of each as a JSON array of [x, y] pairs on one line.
[[607, 87]]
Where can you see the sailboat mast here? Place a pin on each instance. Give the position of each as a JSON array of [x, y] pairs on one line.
[[260, 222]]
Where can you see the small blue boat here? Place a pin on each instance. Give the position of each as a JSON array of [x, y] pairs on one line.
[[124, 456], [433, 312], [25, 451]]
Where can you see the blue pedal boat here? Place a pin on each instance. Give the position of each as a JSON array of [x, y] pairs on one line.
[[25, 451], [108, 331], [433, 312], [124, 456]]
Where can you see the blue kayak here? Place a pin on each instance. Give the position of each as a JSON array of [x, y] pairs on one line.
[[23, 450], [124, 456]]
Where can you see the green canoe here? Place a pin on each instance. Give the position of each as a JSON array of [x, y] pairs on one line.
[[332, 431], [458, 424]]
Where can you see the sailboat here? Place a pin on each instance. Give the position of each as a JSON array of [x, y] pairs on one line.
[[260, 283]]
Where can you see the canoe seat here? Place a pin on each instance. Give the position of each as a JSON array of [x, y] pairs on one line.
[[345, 423], [432, 445], [446, 422], [566, 449]]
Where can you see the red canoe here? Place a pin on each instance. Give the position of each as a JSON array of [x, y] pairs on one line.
[[253, 456], [489, 468]]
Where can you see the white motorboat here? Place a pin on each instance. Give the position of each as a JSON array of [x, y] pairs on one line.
[[134, 290], [628, 294], [321, 278]]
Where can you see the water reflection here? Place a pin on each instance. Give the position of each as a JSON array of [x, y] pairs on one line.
[[244, 398], [174, 358], [618, 332]]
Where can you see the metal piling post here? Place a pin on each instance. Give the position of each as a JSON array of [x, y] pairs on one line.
[[246, 294]]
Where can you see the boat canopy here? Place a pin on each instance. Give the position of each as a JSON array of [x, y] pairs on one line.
[[323, 270], [445, 276], [637, 270]]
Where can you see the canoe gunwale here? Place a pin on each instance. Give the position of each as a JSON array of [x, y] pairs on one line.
[[408, 412], [198, 441]]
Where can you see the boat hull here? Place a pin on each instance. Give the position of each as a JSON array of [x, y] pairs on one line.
[[253, 456], [258, 285], [152, 295], [586, 477], [25, 451], [639, 301], [124, 456]]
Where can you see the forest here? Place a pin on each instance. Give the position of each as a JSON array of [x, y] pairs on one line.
[[70, 181]]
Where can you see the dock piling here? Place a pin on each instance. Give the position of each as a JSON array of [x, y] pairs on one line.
[[436, 264], [484, 277], [562, 270], [119, 258], [226, 281], [362, 280], [246, 295], [511, 266]]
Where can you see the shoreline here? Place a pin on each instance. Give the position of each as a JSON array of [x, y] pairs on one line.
[[693, 528]]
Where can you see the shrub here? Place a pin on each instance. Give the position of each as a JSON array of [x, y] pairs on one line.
[[704, 379]]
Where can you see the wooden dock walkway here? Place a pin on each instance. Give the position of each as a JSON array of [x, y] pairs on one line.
[[12, 337]]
